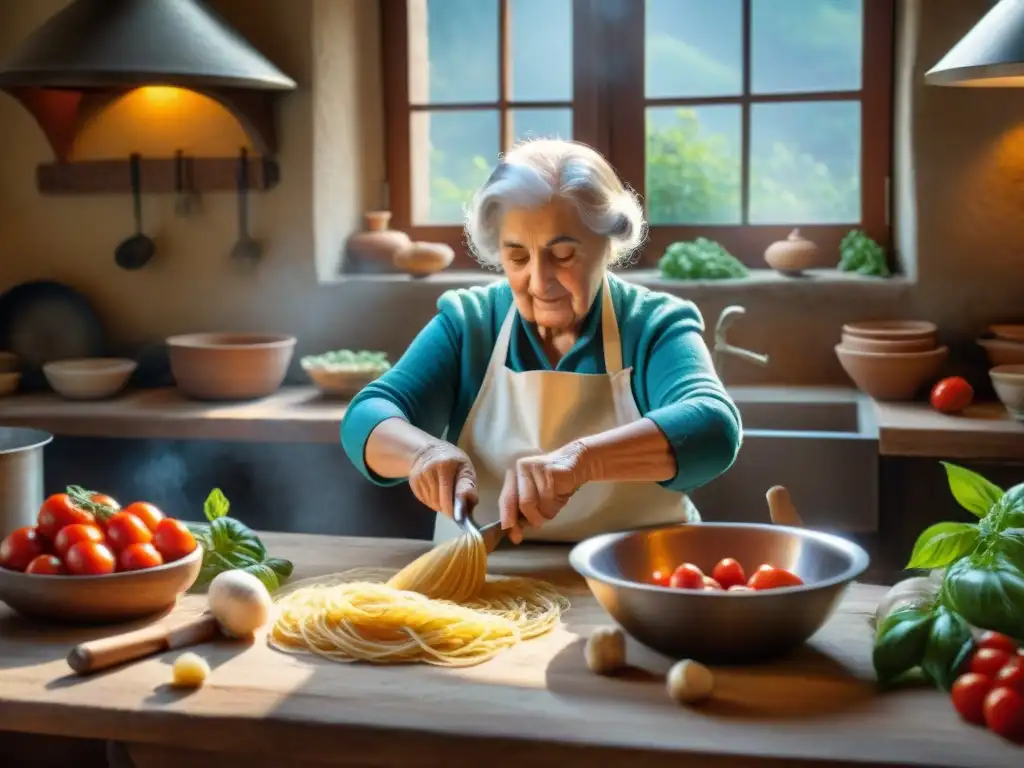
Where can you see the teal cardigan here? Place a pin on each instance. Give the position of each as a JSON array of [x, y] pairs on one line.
[[674, 383]]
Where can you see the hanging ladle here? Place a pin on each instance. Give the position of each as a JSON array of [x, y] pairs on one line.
[[246, 250], [138, 249]]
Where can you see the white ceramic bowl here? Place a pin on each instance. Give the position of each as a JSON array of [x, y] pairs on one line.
[[1002, 351], [89, 378], [1008, 381]]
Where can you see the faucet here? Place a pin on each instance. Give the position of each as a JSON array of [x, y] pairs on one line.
[[722, 347]]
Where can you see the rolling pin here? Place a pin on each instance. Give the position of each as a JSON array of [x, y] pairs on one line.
[[95, 655], [781, 508]]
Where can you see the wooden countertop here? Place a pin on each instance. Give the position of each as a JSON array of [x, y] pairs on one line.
[[535, 705], [982, 431], [291, 415]]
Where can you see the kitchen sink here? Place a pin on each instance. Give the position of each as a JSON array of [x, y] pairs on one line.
[[819, 442]]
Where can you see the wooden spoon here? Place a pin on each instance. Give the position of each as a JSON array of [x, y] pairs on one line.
[[781, 508]]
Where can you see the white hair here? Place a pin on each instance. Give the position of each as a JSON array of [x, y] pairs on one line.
[[533, 173]]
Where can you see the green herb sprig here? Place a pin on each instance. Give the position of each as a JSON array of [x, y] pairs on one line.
[[229, 544], [983, 584], [700, 259]]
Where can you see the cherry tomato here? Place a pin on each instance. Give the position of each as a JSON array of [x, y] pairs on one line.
[[1004, 713], [70, 535], [125, 529], [661, 578], [739, 588], [968, 694], [712, 584], [1011, 675], [728, 573], [952, 395], [20, 548], [173, 539], [57, 511], [104, 500], [136, 557], [87, 558], [773, 578], [997, 641], [49, 565], [146, 512], [988, 661], [687, 576]]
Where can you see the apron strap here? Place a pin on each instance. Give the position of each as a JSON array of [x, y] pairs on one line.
[[610, 332]]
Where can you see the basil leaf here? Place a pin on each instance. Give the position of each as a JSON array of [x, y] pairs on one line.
[[972, 491], [283, 568], [949, 642], [988, 593], [1013, 500], [216, 505], [231, 535], [1010, 544], [264, 573], [900, 643], [942, 544]]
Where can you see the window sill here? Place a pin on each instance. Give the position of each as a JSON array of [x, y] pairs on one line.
[[761, 281]]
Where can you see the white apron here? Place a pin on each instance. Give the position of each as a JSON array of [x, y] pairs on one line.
[[533, 412]]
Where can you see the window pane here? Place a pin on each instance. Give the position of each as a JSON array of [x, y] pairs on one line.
[[453, 51], [693, 48], [806, 45], [541, 124], [541, 48], [452, 155], [693, 165], [805, 163]]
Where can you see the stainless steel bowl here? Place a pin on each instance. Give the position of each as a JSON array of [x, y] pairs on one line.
[[718, 627]]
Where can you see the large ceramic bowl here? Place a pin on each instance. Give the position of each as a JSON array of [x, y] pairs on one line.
[[230, 366], [89, 378], [1003, 352], [106, 599], [892, 329], [891, 376], [715, 626], [1008, 382]]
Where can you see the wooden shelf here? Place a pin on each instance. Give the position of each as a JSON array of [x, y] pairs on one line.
[[983, 431], [157, 176]]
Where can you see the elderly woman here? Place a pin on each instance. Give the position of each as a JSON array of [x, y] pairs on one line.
[[561, 400]]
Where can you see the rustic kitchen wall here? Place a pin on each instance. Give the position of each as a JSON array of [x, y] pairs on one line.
[[960, 163]]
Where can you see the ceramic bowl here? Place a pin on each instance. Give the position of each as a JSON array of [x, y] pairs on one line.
[[860, 344], [230, 366], [715, 626], [1008, 382], [891, 376], [9, 383], [1003, 352], [339, 383], [1008, 331], [892, 329], [106, 599], [89, 378]]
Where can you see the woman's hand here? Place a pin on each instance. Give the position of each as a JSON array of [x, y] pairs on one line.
[[440, 473], [539, 487]]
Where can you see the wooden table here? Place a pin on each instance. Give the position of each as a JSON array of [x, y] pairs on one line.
[[536, 705]]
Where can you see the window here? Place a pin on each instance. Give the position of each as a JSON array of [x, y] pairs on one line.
[[735, 120]]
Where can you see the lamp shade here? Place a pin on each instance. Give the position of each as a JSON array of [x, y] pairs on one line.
[[991, 55]]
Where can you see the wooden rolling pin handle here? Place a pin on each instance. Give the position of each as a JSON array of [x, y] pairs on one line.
[[107, 652], [781, 508]]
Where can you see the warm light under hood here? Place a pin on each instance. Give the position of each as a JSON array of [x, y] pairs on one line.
[[123, 43], [991, 55]]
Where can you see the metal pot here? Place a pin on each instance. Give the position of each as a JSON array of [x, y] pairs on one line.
[[21, 476]]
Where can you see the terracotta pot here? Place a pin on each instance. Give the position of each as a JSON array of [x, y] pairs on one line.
[[422, 259], [373, 250], [892, 376], [1002, 352], [792, 255], [892, 329], [859, 344], [230, 366]]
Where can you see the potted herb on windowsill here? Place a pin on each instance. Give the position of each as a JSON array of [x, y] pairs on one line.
[[700, 259], [860, 254]]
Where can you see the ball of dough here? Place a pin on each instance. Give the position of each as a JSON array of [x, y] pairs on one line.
[[190, 670], [239, 602], [689, 682], [605, 650]]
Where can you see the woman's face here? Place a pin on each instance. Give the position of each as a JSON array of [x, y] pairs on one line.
[[554, 264]]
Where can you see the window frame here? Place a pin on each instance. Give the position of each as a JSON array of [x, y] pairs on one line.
[[609, 113]]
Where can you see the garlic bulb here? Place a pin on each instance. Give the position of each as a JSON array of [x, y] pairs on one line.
[[239, 602], [689, 682], [915, 592], [605, 650]]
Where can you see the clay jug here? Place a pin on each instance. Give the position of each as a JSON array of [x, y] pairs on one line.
[[792, 255], [374, 249]]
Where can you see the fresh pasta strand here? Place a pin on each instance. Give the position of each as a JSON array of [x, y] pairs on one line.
[[441, 609]]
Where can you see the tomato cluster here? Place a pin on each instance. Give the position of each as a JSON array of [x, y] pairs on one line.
[[991, 690], [95, 536], [727, 575]]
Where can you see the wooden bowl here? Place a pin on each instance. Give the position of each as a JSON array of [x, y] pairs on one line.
[[859, 344], [1003, 352], [340, 383], [892, 376], [108, 599], [892, 330], [230, 366]]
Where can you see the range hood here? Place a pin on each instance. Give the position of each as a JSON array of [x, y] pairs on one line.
[[105, 44], [991, 55]]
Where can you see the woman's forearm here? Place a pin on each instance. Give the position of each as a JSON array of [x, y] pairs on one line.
[[393, 447], [636, 452]]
